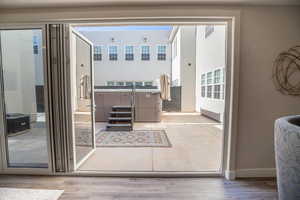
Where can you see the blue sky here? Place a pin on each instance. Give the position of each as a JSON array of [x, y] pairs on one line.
[[122, 28]]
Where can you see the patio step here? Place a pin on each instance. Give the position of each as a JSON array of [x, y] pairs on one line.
[[119, 127], [124, 108], [120, 118]]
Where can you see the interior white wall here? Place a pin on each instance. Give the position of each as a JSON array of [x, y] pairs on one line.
[[18, 71], [136, 70], [211, 55], [265, 32]]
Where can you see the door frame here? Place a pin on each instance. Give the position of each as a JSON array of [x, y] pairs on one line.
[[231, 92], [197, 15], [72, 145], [5, 169]]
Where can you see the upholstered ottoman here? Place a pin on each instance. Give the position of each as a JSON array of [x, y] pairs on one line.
[[287, 151]]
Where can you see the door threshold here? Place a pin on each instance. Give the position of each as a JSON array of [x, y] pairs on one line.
[[145, 174]]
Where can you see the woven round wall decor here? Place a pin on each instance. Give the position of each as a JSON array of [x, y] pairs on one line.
[[286, 72]]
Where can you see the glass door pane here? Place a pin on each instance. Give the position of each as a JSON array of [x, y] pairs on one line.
[[82, 96], [26, 133]]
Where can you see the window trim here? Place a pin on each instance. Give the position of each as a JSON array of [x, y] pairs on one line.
[[125, 52], [101, 52], [213, 84], [141, 52], [166, 46], [110, 45]]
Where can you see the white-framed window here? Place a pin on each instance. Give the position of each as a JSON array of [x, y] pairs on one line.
[[161, 52], [203, 85], [217, 84], [148, 83], [145, 52], [223, 83], [217, 76], [217, 91], [222, 92], [209, 78], [203, 79], [97, 53], [113, 52], [110, 83], [214, 87], [129, 55], [138, 83], [203, 91], [209, 91]]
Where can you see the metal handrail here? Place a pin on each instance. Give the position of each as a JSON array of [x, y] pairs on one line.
[[133, 105]]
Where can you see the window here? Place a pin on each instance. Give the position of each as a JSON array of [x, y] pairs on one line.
[[138, 83], [113, 53], [217, 86], [222, 75], [222, 83], [209, 29], [203, 79], [217, 76], [128, 52], [145, 53], [203, 85], [129, 83], [120, 83], [209, 78], [148, 83], [222, 91], [209, 91], [35, 45], [217, 91], [203, 91], [161, 52], [110, 83], [97, 53]]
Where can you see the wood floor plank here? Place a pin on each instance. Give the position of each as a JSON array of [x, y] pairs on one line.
[[91, 188]]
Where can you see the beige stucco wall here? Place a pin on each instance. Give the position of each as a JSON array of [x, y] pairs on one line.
[[265, 32]]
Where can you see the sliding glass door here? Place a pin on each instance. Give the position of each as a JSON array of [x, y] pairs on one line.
[[24, 119]]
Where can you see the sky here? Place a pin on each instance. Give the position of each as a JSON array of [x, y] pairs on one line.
[[122, 28]]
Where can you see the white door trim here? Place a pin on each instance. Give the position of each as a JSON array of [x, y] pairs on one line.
[[171, 16]]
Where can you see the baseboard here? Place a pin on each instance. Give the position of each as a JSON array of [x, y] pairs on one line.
[[255, 173], [230, 175]]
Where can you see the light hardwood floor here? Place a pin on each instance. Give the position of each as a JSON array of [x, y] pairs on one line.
[[92, 188]]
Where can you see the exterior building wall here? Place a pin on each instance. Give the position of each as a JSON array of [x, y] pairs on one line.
[[19, 71], [184, 66], [188, 68], [210, 57], [137, 69], [176, 56]]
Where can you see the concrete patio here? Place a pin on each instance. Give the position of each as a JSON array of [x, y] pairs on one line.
[[196, 146]]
